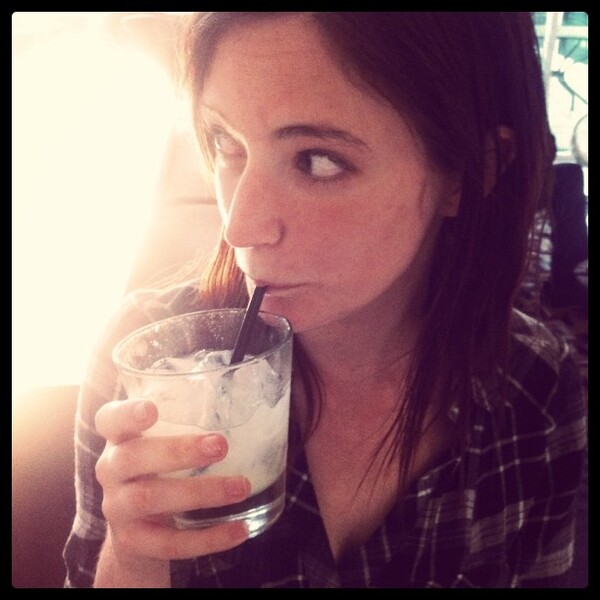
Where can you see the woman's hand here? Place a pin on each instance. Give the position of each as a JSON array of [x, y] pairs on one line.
[[138, 504]]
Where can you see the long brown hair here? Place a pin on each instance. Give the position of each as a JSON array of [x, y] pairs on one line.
[[462, 78]]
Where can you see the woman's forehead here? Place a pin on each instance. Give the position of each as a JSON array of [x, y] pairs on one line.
[[281, 72], [283, 49]]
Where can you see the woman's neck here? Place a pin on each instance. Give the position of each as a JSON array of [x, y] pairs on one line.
[[363, 346]]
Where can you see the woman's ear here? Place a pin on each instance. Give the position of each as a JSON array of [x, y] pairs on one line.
[[501, 146], [504, 143]]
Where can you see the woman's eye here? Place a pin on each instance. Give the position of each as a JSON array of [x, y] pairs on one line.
[[322, 165], [224, 145]]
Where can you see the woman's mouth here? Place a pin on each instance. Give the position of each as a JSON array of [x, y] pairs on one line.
[[277, 289]]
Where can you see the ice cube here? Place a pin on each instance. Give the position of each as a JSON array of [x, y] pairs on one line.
[[265, 383], [240, 392], [171, 364], [179, 400], [210, 359], [219, 400]]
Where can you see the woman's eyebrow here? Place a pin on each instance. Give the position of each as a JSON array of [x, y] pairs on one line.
[[208, 110], [321, 132]]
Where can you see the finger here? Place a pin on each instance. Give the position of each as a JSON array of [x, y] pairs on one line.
[[166, 543], [143, 456], [148, 497], [120, 420]]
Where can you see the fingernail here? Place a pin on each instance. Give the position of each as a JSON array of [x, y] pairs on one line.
[[213, 445], [237, 487], [141, 410], [239, 531]]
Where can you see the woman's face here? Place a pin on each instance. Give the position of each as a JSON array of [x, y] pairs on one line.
[[326, 194]]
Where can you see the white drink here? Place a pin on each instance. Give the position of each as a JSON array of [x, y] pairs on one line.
[[182, 364], [250, 407]]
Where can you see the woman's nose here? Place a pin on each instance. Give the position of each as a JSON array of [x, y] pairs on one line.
[[252, 217]]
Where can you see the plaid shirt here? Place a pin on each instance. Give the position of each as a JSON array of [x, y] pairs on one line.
[[510, 524]]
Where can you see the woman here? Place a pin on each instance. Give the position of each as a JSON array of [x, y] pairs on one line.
[[379, 173]]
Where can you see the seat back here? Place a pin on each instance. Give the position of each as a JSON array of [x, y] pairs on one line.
[[43, 495]]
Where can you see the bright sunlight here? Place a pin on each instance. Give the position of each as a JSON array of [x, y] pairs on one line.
[[90, 120]]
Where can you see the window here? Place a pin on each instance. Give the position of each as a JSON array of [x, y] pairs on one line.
[[563, 39], [90, 120]]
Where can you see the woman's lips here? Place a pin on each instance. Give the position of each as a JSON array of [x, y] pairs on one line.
[[276, 289]]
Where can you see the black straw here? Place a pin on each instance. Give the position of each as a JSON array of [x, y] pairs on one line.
[[239, 351]]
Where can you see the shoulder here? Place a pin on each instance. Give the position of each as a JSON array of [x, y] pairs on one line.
[[535, 445], [543, 384], [145, 306], [149, 305], [540, 387], [539, 360], [531, 337]]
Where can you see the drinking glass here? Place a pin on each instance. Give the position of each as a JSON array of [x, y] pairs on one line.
[[182, 364]]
